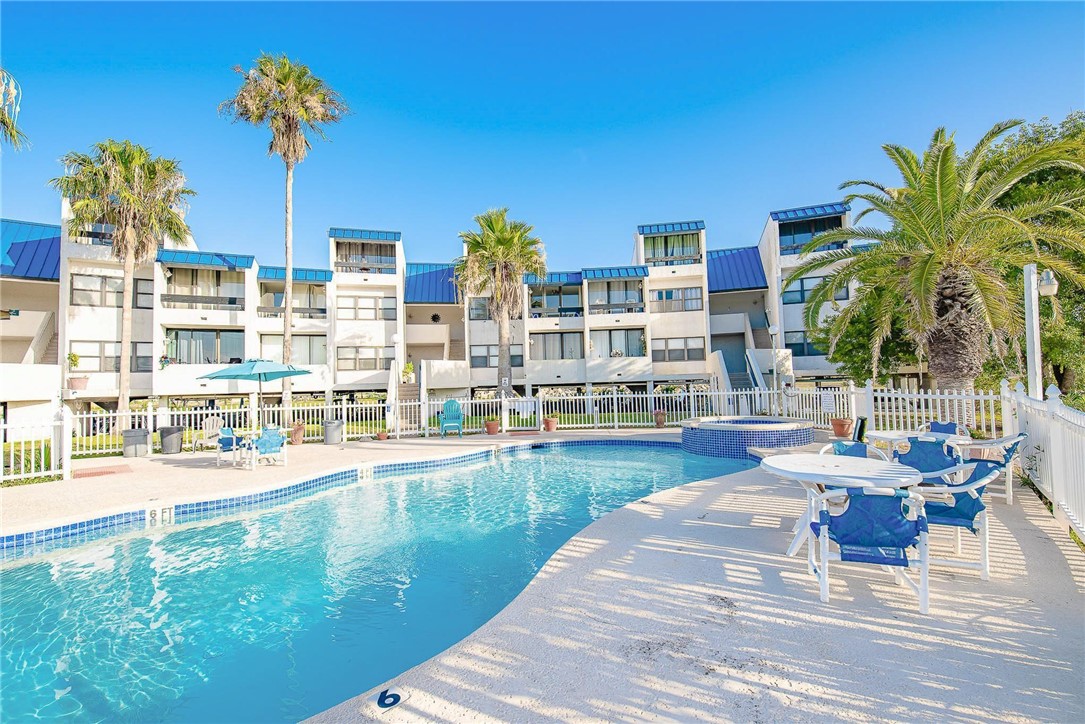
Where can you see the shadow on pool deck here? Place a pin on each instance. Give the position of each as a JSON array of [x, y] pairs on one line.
[[683, 607]]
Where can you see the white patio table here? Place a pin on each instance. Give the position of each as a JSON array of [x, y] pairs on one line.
[[813, 472]]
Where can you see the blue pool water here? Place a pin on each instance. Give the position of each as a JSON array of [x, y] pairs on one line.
[[277, 615]]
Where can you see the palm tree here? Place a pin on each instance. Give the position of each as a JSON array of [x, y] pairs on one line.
[[495, 259], [143, 198], [941, 268], [286, 97], [10, 98]]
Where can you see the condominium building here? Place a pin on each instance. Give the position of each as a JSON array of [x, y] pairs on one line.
[[678, 314]]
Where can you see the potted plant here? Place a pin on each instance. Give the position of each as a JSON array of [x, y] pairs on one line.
[[550, 423], [408, 373], [660, 416], [492, 425], [297, 433], [382, 433], [75, 383], [842, 426]]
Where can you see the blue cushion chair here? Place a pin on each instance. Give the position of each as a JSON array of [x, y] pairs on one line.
[[227, 442], [1006, 449], [452, 417], [853, 449], [927, 456], [959, 505], [270, 446], [946, 428], [877, 527]]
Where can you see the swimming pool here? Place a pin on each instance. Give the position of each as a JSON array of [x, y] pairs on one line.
[[280, 614]]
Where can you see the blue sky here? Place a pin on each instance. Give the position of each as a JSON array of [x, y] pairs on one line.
[[585, 120]]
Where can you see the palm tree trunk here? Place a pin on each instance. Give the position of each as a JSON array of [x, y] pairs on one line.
[[288, 288], [124, 381], [504, 357]]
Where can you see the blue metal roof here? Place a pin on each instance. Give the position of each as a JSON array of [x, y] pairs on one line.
[[364, 234], [811, 212], [732, 270], [430, 284], [301, 274], [616, 272], [204, 258], [669, 228], [573, 277], [29, 250]]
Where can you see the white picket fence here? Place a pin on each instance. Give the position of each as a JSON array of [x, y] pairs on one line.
[[1053, 455]]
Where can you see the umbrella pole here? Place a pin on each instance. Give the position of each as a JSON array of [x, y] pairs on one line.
[[260, 403]]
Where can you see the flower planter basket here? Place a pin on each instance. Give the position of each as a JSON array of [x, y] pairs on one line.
[[660, 418], [550, 424], [77, 383], [297, 433], [492, 427], [382, 435]]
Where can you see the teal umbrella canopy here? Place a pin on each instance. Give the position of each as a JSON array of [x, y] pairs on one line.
[[257, 370]]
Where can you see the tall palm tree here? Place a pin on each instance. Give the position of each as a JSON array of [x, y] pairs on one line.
[[941, 266], [143, 198], [495, 259], [285, 96], [10, 98]]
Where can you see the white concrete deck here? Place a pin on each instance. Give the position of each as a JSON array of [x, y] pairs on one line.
[[682, 607]]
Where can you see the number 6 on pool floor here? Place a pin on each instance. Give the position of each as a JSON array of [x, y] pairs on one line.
[[388, 698]]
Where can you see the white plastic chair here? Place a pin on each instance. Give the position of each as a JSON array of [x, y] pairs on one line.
[[209, 433]]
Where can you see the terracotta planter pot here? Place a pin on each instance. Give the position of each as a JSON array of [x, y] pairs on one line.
[[492, 427], [842, 426], [297, 433], [550, 424], [660, 418], [77, 383], [382, 436]]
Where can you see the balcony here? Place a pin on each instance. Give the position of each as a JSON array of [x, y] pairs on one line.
[[202, 301], [300, 312], [623, 308], [618, 369], [675, 260]]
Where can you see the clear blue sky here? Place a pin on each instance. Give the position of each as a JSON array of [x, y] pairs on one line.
[[586, 120]]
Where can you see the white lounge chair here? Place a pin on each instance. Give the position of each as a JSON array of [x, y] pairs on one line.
[[209, 433]]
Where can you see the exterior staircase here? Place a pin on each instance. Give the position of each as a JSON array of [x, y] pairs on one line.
[[409, 415], [455, 349], [740, 380], [50, 354]]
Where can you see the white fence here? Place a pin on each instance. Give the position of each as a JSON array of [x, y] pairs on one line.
[[1053, 454]]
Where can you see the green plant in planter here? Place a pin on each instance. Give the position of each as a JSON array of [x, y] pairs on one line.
[[491, 418], [408, 370], [73, 360]]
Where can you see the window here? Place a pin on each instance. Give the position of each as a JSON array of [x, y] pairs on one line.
[[311, 297], [485, 355], [799, 291], [478, 308], [97, 291], [222, 288], [105, 356], [672, 249], [556, 301], [557, 345], [144, 294], [305, 349], [615, 297], [687, 299], [365, 257], [794, 235], [205, 346], [364, 358], [617, 343], [800, 345], [678, 349], [366, 308]]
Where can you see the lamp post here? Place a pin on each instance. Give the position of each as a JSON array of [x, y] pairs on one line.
[[774, 333], [1036, 286]]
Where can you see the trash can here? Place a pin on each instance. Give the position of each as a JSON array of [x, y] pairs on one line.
[[333, 432], [135, 443], [172, 437]]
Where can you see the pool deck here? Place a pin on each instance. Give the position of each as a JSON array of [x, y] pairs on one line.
[[682, 607]]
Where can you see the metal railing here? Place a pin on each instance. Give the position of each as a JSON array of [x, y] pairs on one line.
[[624, 308], [304, 312], [215, 302]]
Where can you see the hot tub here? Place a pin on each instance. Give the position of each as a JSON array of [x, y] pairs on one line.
[[729, 437]]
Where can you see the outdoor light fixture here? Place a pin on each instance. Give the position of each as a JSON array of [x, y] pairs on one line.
[[1048, 285]]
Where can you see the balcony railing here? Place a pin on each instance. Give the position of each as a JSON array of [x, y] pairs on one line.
[[673, 260], [361, 266], [215, 302], [624, 308], [545, 312], [303, 312]]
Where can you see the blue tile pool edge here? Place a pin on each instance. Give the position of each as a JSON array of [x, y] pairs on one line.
[[16, 546]]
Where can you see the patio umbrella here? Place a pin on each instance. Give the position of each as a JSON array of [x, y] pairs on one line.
[[257, 370]]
